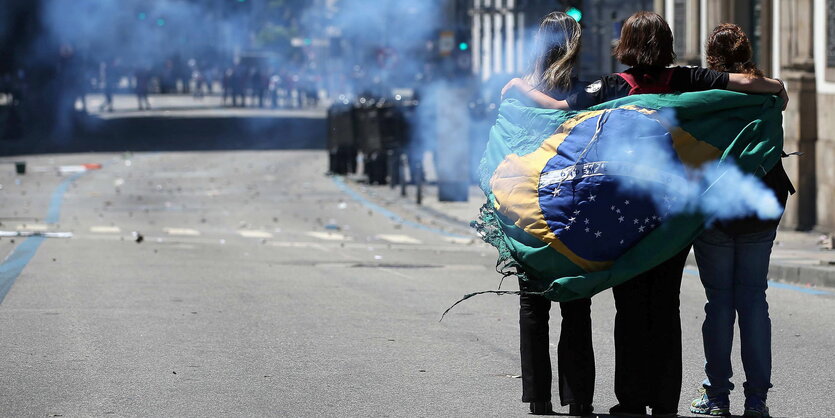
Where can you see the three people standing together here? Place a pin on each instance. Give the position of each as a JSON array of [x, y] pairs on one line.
[[732, 258]]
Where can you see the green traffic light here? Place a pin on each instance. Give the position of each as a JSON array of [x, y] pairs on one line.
[[160, 22], [141, 16], [463, 46], [575, 13]]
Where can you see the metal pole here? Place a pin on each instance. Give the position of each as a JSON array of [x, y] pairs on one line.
[[419, 181], [401, 169]]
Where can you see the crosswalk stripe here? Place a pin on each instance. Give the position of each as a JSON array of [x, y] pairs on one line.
[[33, 227], [456, 240], [255, 234], [284, 244], [182, 231], [399, 239], [105, 229], [327, 236]]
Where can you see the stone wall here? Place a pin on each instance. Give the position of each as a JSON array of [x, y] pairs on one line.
[[825, 163]]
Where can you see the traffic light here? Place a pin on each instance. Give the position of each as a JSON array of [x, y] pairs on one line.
[[575, 13], [463, 46], [142, 16]]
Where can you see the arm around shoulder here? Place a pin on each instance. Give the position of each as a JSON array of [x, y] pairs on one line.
[[747, 84], [539, 99]]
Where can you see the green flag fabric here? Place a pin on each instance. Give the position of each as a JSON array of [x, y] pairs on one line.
[[578, 201]]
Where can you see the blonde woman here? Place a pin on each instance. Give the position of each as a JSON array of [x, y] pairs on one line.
[[552, 73]]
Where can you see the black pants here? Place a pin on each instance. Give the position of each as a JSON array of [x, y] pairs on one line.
[[575, 355], [648, 337]]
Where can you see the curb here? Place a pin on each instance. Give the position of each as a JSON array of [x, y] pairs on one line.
[[810, 276]]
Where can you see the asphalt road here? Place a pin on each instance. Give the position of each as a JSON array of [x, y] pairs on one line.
[[262, 287]]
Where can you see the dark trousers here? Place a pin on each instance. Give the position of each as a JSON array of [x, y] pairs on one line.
[[648, 337], [575, 355]]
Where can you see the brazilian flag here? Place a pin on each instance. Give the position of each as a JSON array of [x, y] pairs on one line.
[[559, 207]]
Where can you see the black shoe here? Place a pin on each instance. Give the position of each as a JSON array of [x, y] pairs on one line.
[[580, 410], [628, 411], [542, 408]]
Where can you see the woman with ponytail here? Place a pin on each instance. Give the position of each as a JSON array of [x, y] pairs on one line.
[[733, 266], [552, 73]]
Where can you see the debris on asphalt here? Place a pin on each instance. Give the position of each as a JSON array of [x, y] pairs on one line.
[[138, 237], [332, 227]]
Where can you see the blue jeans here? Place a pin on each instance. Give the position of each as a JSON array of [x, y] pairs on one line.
[[734, 270]]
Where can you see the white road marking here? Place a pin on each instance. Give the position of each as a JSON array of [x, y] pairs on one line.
[[182, 232], [456, 240], [255, 234], [33, 227], [399, 239], [327, 236], [285, 244], [35, 234], [105, 229]]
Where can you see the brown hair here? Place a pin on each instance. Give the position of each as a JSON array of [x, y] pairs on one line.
[[557, 46], [728, 49], [645, 40]]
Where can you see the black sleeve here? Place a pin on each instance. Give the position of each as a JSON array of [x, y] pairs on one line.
[[609, 87], [698, 79]]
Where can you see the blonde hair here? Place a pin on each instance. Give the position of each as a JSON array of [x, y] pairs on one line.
[[557, 46]]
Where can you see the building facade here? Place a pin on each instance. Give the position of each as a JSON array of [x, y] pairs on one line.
[[502, 32]]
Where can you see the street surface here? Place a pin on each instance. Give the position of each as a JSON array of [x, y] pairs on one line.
[[262, 287]]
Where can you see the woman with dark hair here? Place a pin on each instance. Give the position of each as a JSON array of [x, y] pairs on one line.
[[557, 46], [733, 266], [647, 324]]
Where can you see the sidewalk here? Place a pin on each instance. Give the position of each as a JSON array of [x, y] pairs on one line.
[[797, 257]]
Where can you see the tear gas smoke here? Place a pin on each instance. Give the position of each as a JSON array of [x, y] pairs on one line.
[[718, 189]]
